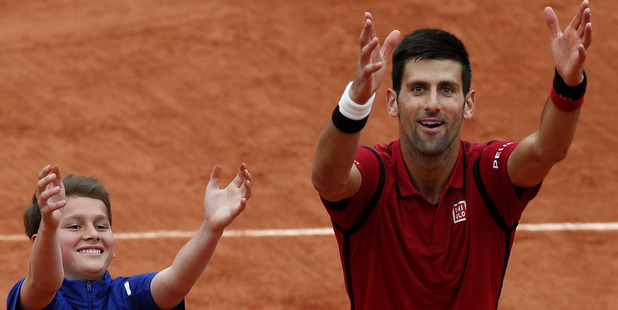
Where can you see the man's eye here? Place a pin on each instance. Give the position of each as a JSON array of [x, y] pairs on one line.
[[418, 89]]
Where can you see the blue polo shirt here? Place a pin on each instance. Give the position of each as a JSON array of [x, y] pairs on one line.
[[120, 293], [403, 252]]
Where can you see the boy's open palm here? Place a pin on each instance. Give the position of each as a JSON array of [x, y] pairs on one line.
[[222, 206]]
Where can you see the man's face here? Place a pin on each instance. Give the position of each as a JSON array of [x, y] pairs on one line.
[[86, 239], [431, 106]]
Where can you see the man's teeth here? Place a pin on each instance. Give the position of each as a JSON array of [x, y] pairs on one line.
[[90, 251], [431, 124]]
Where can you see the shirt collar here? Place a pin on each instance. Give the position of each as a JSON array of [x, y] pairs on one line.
[[404, 182]]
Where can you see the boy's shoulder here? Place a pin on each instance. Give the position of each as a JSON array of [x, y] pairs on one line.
[[109, 293]]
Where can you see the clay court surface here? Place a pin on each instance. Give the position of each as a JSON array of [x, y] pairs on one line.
[[148, 95]]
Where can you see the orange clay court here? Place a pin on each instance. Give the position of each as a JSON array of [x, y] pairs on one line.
[[148, 95]]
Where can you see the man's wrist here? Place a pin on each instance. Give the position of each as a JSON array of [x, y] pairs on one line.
[[349, 116], [567, 98], [351, 109]]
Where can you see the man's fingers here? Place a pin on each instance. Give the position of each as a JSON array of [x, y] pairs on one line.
[[369, 69], [369, 23], [552, 23], [367, 51], [390, 44], [585, 31], [587, 39], [576, 23], [368, 32]]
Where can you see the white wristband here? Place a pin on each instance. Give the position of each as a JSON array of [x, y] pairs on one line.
[[353, 110]]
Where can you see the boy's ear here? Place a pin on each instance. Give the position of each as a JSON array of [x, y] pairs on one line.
[[32, 238]]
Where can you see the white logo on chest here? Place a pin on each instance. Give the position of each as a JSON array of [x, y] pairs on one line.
[[460, 211]]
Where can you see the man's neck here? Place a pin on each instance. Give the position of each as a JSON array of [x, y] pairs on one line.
[[430, 174]]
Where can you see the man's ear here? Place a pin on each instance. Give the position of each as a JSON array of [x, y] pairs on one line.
[[469, 105], [32, 239], [392, 106]]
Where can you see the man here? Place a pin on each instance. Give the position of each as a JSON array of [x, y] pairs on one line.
[[427, 221]]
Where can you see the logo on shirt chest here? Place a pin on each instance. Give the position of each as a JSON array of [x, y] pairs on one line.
[[460, 211]]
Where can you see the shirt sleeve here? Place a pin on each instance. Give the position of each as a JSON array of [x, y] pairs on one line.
[[346, 212], [509, 200], [12, 301], [137, 288], [135, 291]]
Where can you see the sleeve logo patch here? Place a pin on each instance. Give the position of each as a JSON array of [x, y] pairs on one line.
[[127, 288], [460, 211], [498, 153]]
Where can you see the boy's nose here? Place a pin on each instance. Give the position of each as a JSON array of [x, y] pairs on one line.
[[92, 233]]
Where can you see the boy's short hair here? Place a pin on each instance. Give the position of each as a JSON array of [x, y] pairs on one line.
[[74, 186]]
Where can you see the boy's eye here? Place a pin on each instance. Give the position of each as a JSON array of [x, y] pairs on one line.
[[102, 227], [73, 226]]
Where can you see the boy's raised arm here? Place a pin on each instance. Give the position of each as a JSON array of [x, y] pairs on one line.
[[45, 275], [170, 286]]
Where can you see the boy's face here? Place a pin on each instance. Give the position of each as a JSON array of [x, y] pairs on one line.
[[86, 239]]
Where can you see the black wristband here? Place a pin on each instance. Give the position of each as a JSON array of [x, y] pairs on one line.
[[345, 124], [571, 92]]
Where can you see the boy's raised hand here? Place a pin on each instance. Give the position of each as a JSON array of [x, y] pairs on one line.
[[222, 206], [50, 195]]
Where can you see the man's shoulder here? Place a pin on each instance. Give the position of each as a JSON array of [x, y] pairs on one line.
[[474, 148]]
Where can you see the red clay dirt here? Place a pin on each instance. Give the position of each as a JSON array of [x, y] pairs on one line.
[[148, 96]]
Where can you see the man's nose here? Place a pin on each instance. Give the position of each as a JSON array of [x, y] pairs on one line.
[[432, 103]]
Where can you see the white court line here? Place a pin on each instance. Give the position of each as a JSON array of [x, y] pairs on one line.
[[327, 231], [568, 226]]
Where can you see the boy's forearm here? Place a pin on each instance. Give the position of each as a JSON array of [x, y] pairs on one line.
[[193, 257], [46, 274], [46, 259], [171, 285]]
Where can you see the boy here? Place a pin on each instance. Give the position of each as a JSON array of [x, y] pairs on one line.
[[69, 225]]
